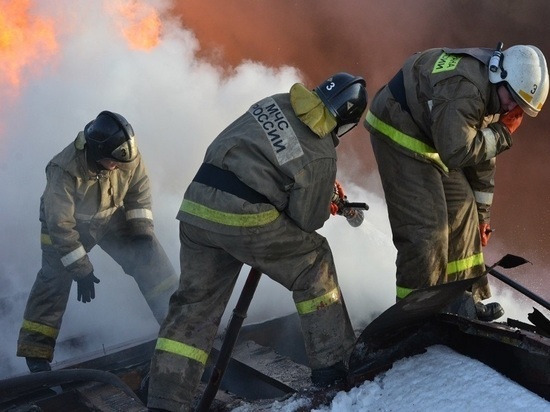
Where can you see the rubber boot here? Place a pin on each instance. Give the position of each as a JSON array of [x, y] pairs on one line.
[[38, 365], [463, 306], [489, 312], [324, 377]]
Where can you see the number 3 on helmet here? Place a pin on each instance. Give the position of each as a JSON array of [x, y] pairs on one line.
[[346, 98]]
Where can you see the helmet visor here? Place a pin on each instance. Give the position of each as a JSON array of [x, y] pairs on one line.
[[342, 130]]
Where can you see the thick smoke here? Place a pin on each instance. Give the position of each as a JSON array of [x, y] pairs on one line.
[[372, 39], [210, 62]]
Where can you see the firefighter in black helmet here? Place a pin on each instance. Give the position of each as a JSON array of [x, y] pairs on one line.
[[263, 190], [97, 192], [110, 136]]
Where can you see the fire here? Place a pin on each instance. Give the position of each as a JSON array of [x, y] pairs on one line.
[[141, 25], [26, 41]]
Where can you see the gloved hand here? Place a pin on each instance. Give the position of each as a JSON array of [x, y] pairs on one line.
[[338, 198], [85, 288], [485, 233], [512, 119]]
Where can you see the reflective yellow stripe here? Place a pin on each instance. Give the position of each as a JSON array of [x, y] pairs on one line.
[[308, 306], [452, 268], [181, 349], [40, 328], [45, 239], [464, 264], [162, 287], [229, 219], [403, 292], [406, 141]]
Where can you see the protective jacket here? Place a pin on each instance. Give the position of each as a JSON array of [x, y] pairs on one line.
[[264, 188], [442, 111], [262, 150], [80, 208], [78, 204]]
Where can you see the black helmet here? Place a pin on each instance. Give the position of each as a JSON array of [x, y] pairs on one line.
[[346, 98], [110, 136]]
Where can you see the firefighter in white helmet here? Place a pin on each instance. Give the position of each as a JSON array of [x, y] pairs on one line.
[[263, 190], [436, 129], [97, 193]]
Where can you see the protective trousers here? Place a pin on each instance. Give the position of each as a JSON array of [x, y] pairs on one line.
[[146, 262], [210, 264], [434, 222]]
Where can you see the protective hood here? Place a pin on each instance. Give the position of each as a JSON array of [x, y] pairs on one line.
[[310, 109]]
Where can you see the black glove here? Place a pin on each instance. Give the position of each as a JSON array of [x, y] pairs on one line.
[[85, 288]]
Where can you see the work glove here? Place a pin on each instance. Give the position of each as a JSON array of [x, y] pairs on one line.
[[485, 233], [338, 198], [512, 119], [85, 288], [338, 206]]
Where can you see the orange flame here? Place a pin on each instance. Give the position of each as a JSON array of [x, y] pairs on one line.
[[25, 41], [141, 25]]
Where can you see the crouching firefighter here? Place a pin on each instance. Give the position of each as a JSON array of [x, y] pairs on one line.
[[97, 193], [263, 190]]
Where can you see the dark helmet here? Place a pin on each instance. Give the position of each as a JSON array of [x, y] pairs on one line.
[[110, 136], [346, 98]]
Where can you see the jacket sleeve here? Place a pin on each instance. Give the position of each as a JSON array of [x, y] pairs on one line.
[[309, 201], [138, 204], [457, 116], [59, 214], [482, 180]]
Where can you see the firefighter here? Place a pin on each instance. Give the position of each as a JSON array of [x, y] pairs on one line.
[[436, 129], [263, 190], [97, 192]]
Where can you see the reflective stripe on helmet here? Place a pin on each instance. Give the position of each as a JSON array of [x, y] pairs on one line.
[[229, 219], [406, 141], [181, 349], [312, 305]]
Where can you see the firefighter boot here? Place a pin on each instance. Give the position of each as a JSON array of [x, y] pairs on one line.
[[38, 365], [490, 311], [324, 377]]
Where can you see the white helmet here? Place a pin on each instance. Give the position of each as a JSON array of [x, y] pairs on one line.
[[524, 70]]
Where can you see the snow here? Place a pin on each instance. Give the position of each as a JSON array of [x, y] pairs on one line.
[[433, 381]]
